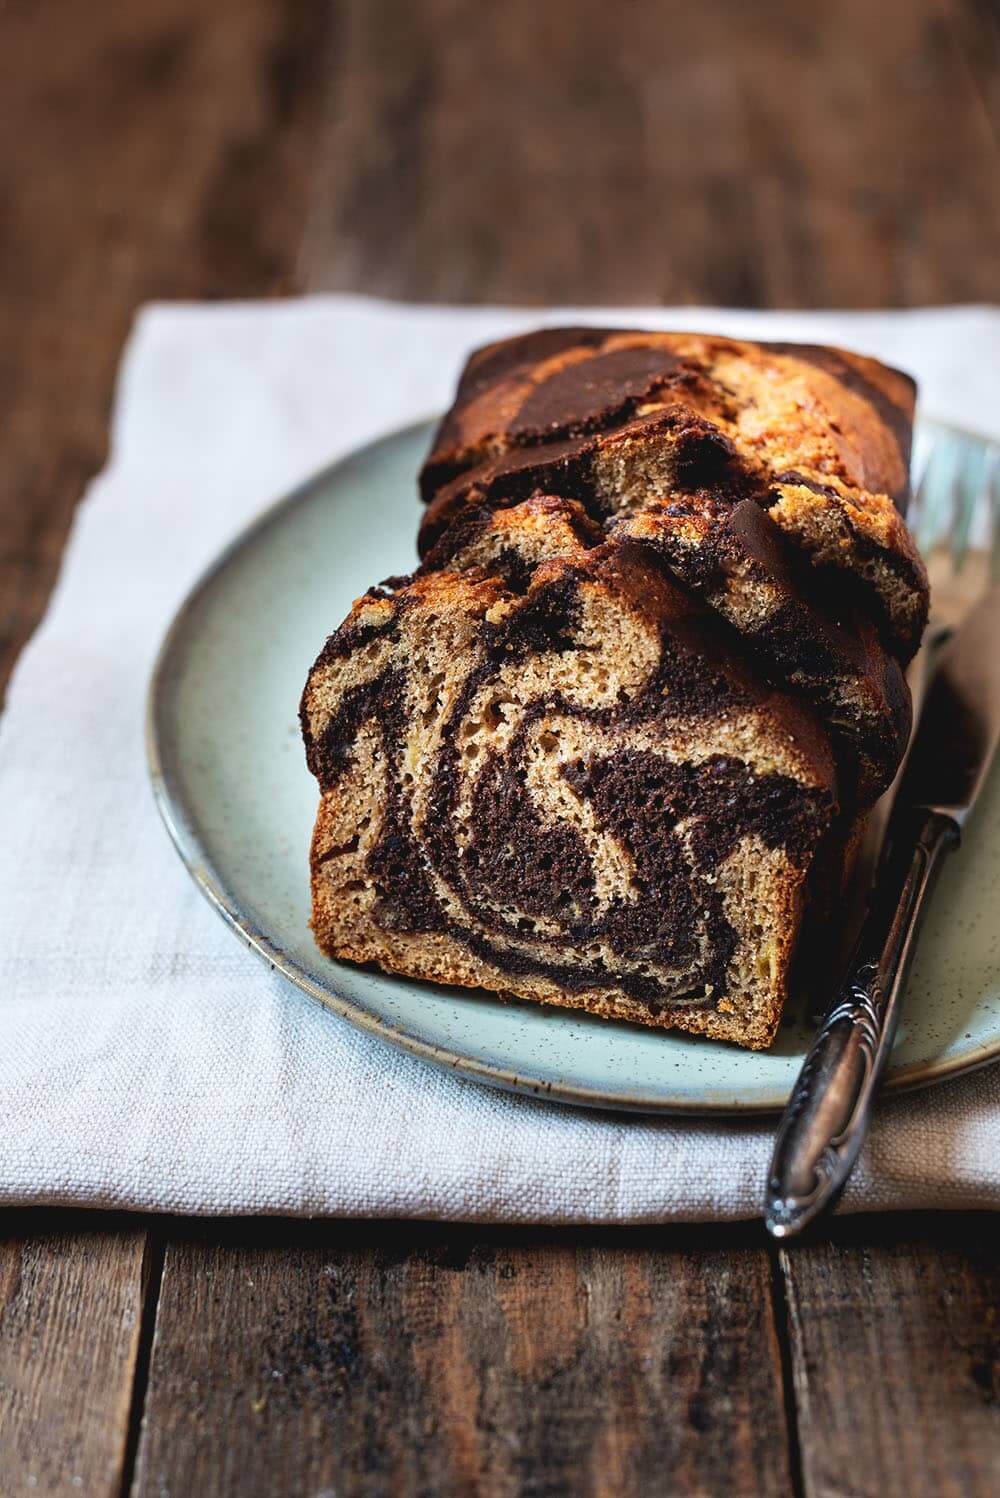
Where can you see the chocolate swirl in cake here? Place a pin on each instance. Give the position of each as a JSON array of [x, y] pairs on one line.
[[573, 788]]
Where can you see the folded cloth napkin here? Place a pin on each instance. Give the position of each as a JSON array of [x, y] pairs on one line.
[[147, 1059]]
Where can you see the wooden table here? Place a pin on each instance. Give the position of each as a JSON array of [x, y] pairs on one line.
[[757, 154]]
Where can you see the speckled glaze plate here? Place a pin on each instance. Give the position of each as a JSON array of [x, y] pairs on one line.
[[230, 674]]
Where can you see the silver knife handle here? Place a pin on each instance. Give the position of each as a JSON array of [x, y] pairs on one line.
[[826, 1117]]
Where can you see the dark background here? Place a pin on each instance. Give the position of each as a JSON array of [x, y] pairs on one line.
[[744, 152]]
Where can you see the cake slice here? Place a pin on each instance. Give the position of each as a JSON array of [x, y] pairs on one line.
[[549, 772]]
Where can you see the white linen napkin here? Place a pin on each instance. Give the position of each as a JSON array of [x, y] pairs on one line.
[[147, 1059]]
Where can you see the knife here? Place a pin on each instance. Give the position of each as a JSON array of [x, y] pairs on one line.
[[826, 1117]]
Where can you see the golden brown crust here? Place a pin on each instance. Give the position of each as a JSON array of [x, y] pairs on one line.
[[848, 416], [819, 436]]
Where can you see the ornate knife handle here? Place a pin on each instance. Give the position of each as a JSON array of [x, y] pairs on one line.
[[826, 1117]]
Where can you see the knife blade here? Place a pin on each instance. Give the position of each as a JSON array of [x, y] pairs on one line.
[[959, 727], [826, 1117]]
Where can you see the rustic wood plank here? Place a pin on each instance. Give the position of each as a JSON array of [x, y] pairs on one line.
[[407, 1359], [766, 154], [154, 150], [71, 1309], [896, 1357]]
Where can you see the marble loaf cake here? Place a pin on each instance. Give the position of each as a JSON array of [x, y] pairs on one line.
[[613, 742]]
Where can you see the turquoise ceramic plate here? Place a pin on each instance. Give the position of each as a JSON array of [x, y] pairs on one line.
[[230, 674]]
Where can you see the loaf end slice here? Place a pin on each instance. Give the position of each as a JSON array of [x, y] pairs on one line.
[[549, 772]]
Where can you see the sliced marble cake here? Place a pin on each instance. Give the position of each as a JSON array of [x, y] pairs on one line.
[[549, 771], [631, 712]]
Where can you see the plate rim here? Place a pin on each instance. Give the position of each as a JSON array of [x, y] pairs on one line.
[[207, 878]]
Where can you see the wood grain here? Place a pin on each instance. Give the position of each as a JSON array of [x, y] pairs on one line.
[[896, 1359], [71, 1304], [152, 150], [404, 1359], [765, 154]]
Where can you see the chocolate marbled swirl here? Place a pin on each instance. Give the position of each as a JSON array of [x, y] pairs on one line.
[[634, 697], [548, 770]]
